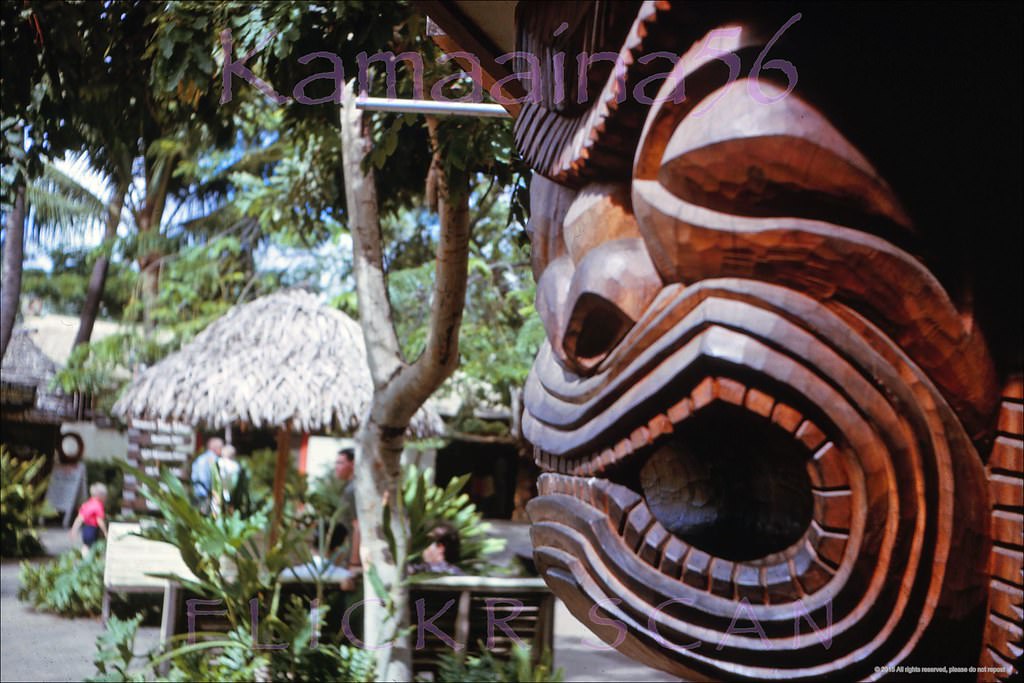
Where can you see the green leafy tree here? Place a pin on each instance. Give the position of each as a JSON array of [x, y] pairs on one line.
[[391, 163], [33, 104], [81, 90], [63, 289]]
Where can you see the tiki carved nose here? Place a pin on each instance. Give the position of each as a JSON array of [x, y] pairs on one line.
[[602, 280]]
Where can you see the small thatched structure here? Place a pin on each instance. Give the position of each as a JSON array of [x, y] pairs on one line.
[[284, 359], [25, 376], [30, 412]]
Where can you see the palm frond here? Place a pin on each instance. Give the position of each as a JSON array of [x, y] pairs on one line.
[[61, 206]]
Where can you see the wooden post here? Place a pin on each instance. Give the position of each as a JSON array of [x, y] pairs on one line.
[[280, 474]]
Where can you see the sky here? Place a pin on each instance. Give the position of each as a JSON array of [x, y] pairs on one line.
[[37, 255], [268, 257]]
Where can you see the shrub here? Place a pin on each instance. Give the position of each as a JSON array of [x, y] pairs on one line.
[[427, 504], [486, 668], [21, 504], [231, 561], [114, 651], [231, 658], [71, 586]]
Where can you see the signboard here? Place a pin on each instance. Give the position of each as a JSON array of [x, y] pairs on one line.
[[67, 489], [153, 444]]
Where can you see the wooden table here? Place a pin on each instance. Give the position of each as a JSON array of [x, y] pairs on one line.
[[467, 605], [130, 563]]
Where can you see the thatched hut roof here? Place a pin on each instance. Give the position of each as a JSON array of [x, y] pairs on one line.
[[284, 357], [25, 363], [26, 375]]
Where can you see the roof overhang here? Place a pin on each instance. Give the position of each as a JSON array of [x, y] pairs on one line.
[[484, 29]]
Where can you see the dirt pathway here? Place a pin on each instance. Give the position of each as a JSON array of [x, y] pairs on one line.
[[35, 646]]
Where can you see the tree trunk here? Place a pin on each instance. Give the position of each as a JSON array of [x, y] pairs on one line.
[[14, 252], [158, 177], [99, 269], [150, 274], [400, 388], [378, 477]]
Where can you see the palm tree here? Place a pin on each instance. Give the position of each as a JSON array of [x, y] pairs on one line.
[[63, 207], [52, 206], [14, 243]]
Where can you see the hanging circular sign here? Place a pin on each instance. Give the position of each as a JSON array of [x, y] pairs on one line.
[[71, 448]]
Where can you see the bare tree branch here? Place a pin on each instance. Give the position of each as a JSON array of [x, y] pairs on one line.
[[384, 352], [441, 355], [399, 388]]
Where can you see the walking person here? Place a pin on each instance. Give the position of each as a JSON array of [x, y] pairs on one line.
[[91, 519]]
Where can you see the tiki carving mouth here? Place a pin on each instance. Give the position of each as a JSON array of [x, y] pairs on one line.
[[766, 395], [721, 458], [732, 473], [756, 399], [730, 483]]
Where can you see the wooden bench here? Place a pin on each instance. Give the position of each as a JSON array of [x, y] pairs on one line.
[[130, 563], [479, 609], [475, 609]]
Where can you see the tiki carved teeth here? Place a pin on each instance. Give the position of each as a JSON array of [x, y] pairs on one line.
[[799, 569], [802, 570], [707, 392]]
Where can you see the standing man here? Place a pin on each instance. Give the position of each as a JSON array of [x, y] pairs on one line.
[[202, 473], [228, 472], [344, 470]]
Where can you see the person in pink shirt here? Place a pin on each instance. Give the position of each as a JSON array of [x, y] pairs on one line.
[[91, 517]]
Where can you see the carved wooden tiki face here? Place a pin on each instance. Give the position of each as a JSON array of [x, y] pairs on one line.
[[779, 408], [774, 438]]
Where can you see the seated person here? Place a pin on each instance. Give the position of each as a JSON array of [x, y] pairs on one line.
[[324, 568], [441, 555]]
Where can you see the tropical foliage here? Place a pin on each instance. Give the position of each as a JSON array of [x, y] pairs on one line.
[[487, 668], [115, 650], [71, 585], [428, 504], [234, 562], [61, 289], [22, 504]]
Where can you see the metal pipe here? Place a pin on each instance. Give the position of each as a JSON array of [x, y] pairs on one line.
[[432, 107]]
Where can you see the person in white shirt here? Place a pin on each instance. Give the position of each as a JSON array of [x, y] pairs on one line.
[[228, 470], [202, 473]]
